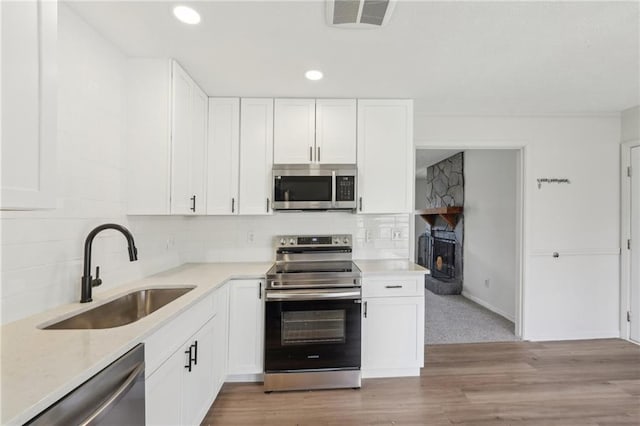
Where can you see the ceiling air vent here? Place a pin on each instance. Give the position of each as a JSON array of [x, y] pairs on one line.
[[359, 13]]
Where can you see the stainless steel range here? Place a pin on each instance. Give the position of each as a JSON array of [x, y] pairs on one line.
[[312, 323]]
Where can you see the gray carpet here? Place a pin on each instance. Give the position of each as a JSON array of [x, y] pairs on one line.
[[456, 319]]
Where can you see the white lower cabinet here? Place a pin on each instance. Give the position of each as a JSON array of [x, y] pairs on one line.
[[181, 390], [392, 327], [180, 365], [221, 338], [246, 330]]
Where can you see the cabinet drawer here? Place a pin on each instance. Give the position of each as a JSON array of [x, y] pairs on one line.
[[161, 344], [393, 286]]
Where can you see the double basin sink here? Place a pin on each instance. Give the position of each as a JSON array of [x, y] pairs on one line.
[[124, 310]]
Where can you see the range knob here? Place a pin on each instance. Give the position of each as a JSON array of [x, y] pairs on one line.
[[346, 240], [292, 241], [336, 241], [283, 242]]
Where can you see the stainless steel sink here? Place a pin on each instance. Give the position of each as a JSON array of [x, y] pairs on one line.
[[121, 311]]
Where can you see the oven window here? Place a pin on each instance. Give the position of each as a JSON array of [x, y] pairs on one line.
[[308, 327]]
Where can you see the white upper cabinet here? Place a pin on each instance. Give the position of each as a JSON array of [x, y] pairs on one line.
[[294, 131], [223, 151], [385, 156], [29, 104], [166, 139], [188, 144], [336, 131], [310, 131], [256, 156]]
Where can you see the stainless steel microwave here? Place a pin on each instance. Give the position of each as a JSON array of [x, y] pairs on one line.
[[314, 186]]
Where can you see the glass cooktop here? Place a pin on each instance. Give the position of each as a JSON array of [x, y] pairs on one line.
[[313, 267]]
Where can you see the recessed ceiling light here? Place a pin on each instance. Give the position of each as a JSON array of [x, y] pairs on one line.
[[313, 75], [187, 15]]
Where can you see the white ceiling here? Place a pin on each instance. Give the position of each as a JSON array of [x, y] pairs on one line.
[[451, 57]]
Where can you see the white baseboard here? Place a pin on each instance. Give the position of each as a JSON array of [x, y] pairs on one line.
[[238, 378], [581, 335], [488, 306], [390, 372]]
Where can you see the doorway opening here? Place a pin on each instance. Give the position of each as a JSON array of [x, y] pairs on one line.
[[468, 233]]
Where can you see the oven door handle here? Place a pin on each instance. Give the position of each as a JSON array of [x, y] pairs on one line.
[[315, 294]]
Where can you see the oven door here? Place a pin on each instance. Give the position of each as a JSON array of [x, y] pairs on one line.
[[312, 329]]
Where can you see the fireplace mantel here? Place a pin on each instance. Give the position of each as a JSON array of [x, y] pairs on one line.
[[450, 214]]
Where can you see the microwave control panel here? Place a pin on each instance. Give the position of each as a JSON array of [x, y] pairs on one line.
[[345, 188]]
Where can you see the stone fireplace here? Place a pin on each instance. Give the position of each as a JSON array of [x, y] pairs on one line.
[[440, 246]]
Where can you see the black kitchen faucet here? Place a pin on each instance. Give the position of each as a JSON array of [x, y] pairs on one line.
[[87, 280]]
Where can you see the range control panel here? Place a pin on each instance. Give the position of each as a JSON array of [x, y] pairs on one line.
[[312, 240]]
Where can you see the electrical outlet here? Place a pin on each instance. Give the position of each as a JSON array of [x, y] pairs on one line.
[[367, 236], [250, 236], [396, 235], [487, 283]]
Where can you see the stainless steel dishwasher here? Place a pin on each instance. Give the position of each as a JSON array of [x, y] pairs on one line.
[[114, 396]]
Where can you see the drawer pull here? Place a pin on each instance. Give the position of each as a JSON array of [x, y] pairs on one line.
[[392, 286]]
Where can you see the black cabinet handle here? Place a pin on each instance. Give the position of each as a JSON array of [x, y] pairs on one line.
[[195, 352], [267, 205], [365, 309], [360, 203], [318, 154], [233, 205], [310, 153], [260, 290], [193, 204], [393, 286], [189, 359]]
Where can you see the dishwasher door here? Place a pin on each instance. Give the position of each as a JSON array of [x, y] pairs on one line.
[[114, 396]]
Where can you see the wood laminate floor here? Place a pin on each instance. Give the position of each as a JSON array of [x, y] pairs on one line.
[[590, 382]]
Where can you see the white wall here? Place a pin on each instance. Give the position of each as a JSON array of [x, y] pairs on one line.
[[42, 251], [490, 262], [250, 238], [630, 126], [575, 295], [419, 223]]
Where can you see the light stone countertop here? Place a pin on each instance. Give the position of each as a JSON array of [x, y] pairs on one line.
[[41, 366], [389, 267]]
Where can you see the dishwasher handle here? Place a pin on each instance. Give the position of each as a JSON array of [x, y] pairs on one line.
[[117, 395]]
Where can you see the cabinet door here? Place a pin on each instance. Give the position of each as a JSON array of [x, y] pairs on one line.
[[163, 392], [29, 104], [256, 156], [385, 156], [197, 171], [188, 144], [246, 334], [148, 136], [336, 131], [181, 134], [198, 384], [223, 150], [294, 131], [393, 333], [220, 338]]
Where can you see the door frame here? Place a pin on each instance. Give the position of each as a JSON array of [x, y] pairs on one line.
[[625, 234], [520, 209]]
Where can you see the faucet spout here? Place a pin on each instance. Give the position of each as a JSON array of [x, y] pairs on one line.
[[87, 280]]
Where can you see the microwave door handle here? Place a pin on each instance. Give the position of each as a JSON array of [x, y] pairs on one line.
[[333, 189]]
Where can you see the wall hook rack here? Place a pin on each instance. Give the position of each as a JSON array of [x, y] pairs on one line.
[[551, 180]]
